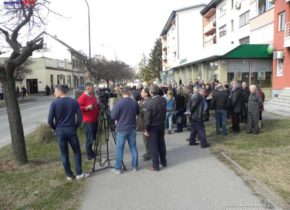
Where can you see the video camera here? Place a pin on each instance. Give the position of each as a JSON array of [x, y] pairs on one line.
[[104, 95]]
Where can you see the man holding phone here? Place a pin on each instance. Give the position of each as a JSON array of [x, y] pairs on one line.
[[90, 111]]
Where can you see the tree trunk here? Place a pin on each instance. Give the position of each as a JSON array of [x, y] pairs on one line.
[[15, 121]]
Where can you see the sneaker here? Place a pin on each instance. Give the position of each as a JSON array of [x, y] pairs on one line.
[[193, 144], [134, 169], [83, 175], [118, 172], [169, 131], [69, 178]]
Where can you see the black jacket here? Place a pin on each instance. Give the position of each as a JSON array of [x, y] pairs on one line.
[[155, 112], [237, 100], [180, 102], [246, 94], [196, 107], [220, 101]]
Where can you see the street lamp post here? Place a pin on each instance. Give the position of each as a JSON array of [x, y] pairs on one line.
[[89, 22]]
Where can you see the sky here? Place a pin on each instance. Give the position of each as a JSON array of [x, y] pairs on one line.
[[124, 29], [119, 28]]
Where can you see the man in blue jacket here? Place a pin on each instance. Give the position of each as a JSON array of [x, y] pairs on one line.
[[125, 112], [62, 118]]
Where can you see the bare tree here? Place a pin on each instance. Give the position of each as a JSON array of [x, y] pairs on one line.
[[23, 16], [114, 71]]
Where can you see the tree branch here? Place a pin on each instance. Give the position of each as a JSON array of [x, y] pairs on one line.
[[27, 51], [7, 36], [23, 23]]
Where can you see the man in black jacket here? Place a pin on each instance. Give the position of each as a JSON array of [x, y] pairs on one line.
[[220, 103], [196, 118], [154, 123], [237, 105]]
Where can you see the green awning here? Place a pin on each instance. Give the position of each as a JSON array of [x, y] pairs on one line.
[[249, 51]]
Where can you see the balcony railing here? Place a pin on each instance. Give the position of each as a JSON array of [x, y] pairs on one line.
[[210, 29], [287, 35]]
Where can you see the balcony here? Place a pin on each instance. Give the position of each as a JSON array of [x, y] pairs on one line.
[[210, 29], [287, 35]]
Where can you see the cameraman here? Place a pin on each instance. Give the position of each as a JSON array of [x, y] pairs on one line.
[[125, 112], [90, 110]]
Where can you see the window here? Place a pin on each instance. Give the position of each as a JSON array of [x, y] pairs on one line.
[[223, 31], [264, 6], [244, 19], [58, 79], [281, 19], [279, 68], [232, 25], [51, 80], [222, 10], [245, 40]]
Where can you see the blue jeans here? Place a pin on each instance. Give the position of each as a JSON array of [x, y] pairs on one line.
[[221, 122], [169, 116], [121, 138], [91, 133], [65, 136]]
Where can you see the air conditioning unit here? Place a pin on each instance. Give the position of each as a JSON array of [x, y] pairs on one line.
[[279, 55], [238, 5]]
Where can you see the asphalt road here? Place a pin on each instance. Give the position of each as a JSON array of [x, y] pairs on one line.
[[33, 114], [193, 180]]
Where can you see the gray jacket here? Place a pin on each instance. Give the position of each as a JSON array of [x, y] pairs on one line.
[[255, 102]]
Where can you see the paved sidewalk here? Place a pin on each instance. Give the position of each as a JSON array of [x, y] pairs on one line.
[[194, 179]]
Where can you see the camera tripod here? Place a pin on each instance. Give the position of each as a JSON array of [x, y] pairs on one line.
[[105, 126]]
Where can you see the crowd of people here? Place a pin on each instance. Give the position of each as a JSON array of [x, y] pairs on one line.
[[151, 110]]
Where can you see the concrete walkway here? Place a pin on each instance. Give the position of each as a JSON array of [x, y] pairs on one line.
[[194, 179]]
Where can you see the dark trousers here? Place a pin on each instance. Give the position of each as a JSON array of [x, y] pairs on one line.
[[221, 122], [91, 133], [157, 145], [253, 121], [1, 96], [180, 119], [197, 128], [207, 110], [69, 136], [236, 121], [244, 114]]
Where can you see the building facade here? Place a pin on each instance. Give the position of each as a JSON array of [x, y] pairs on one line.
[[281, 63], [181, 40], [232, 45]]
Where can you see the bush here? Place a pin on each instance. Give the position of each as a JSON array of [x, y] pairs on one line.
[[45, 134]]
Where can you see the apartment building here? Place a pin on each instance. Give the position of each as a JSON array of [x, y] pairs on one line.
[[281, 62], [181, 40]]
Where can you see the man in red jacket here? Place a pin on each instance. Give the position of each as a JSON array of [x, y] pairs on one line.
[[90, 110]]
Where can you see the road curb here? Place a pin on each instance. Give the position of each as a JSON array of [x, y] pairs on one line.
[[272, 198]]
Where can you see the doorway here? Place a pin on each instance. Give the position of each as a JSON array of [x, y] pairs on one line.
[[32, 86]]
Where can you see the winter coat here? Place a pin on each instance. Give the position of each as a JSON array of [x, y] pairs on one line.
[[237, 101], [255, 102], [196, 107]]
